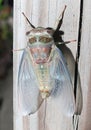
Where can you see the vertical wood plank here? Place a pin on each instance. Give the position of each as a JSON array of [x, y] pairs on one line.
[[85, 67], [43, 13]]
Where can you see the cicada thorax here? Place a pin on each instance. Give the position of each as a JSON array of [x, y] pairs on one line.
[[40, 54], [40, 43]]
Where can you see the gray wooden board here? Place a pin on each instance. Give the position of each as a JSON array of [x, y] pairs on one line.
[[45, 13]]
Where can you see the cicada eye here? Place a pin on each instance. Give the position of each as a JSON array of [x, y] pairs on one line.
[[45, 39], [32, 40]]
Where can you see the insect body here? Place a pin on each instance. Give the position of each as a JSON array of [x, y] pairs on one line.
[[43, 73]]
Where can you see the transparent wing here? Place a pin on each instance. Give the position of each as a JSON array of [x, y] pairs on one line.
[[28, 92], [63, 90]]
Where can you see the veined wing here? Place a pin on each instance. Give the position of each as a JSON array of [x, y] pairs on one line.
[[63, 89], [28, 91]]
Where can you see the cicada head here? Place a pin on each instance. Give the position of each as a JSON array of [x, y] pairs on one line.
[[40, 43]]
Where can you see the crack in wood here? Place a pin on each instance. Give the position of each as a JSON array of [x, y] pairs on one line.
[[78, 48], [76, 120]]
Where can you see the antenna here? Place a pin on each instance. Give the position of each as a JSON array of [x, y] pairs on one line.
[[28, 20], [60, 20]]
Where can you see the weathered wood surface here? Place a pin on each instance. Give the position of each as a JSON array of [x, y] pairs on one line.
[[85, 67], [45, 13]]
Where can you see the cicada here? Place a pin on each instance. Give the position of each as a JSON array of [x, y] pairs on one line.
[[43, 72]]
